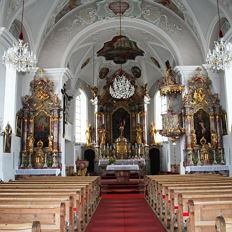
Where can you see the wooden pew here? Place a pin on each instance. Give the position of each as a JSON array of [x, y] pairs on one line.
[[86, 204], [51, 215], [161, 185], [223, 224], [93, 183], [64, 201], [75, 194], [183, 203], [22, 227], [202, 213], [91, 196], [176, 210]]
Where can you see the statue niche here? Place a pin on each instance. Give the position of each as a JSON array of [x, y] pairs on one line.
[[120, 116]]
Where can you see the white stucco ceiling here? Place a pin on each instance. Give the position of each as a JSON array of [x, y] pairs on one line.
[[66, 35]]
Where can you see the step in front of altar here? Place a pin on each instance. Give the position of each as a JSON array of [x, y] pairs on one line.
[[113, 186]]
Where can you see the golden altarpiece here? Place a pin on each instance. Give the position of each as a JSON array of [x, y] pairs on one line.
[[205, 122], [120, 123], [40, 127]]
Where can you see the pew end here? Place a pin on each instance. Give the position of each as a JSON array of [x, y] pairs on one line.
[[223, 224], [21, 227]]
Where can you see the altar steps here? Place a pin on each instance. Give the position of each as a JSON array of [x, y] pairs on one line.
[[114, 186]]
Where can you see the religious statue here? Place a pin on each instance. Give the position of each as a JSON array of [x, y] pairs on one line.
[[39, 156], [214, 139], [50, 143], [153, 132], [193, 138], [146, 91], [89, 135], [102, 135], [82, 170], [94, 91], [139, 134], [204, 151], [169, 77], [198, 96], [7, 139], [30, 143], [121, 128]]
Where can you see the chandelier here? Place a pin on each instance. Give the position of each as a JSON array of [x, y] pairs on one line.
[[121, 87], [221, 56], [20, 56]]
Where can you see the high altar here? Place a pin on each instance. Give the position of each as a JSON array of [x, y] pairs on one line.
[[120, 132]]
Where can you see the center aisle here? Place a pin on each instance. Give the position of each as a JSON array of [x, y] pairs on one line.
[[124, 213]]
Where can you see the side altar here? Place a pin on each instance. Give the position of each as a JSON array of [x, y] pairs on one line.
[[40, 119]]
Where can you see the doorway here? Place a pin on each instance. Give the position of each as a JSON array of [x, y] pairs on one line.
[[154, 155]]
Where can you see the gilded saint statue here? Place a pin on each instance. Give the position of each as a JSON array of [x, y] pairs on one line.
[[204, 151], [214, 139], [152, 132], [102, 135], [89, 135], [193, 138], [30, 143], [39, 156], [139, 134], [50, 143], [198, 96], [7, 139], [82, 170]]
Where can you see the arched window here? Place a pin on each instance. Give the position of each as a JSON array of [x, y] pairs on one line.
[[81, 116], [160, 108]]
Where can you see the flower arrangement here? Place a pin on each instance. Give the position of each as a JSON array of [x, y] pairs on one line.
[[112, 160]]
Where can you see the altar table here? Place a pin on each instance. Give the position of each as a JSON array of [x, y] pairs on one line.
[[207, 168], [122, 172], [104, 162], [38, 172]]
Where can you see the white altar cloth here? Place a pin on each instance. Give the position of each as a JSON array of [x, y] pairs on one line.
[[104, 162], [122, 167], [36, 172], [207, 168]]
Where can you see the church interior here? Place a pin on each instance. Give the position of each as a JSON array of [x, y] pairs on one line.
[[115, 102]]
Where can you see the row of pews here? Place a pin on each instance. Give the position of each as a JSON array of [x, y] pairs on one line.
[[48, 204], [192, 203]]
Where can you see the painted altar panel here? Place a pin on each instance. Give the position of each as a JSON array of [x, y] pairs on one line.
[[41, 128]]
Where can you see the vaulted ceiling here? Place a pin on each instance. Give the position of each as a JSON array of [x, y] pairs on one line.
[[67, 33]]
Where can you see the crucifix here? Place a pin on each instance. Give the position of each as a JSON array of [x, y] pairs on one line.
[[66, 98]]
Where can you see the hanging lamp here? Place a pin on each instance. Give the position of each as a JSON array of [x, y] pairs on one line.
[[20, 56]]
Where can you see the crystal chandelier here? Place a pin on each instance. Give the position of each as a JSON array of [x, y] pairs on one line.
[[20, 56], [121, 87], [221, 56]]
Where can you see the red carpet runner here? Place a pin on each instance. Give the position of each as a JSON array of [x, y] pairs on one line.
[[124, 213]]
